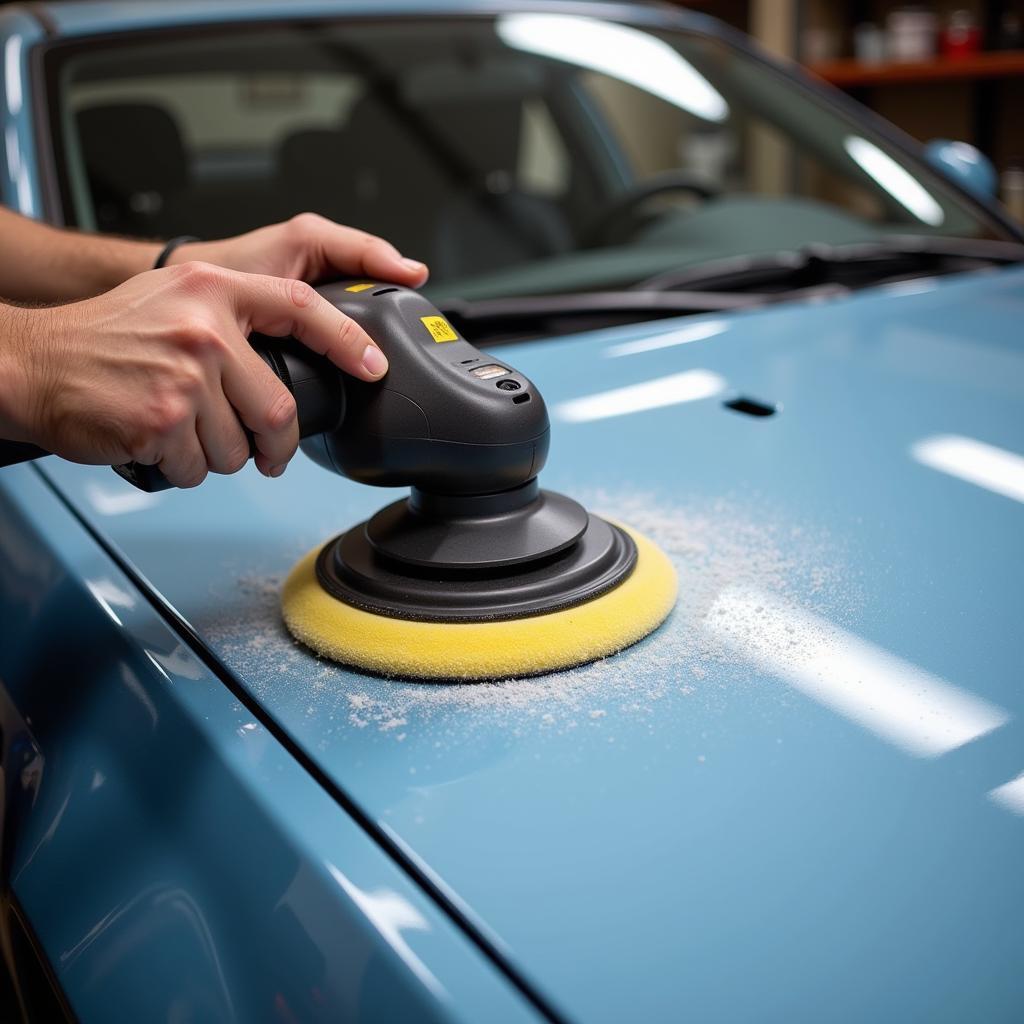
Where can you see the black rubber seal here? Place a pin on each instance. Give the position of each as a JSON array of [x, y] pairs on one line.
[[352, 571]]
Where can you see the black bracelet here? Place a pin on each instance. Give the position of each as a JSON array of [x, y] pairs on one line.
[[165, 252]]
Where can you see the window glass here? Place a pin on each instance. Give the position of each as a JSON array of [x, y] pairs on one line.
[[526, 152]]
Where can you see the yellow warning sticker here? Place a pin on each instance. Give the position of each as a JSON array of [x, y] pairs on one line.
[[360, 287], [440, 329]]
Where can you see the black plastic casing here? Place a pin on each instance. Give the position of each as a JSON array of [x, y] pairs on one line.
[[430, 423]]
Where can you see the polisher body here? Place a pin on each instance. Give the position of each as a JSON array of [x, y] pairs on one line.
[[478, 573], [445, 419]]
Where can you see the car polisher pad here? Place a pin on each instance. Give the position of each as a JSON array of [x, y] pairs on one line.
[[480, 650]]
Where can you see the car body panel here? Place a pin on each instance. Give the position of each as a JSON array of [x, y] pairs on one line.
[[171, 856], [706, 817]]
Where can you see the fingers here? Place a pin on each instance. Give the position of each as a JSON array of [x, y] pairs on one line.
[[278, 307], [221, 436], [350, 251], [265, 406], [184, 463], [217, 385]]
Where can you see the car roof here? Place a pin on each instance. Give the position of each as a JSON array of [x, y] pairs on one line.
[[89, 18]]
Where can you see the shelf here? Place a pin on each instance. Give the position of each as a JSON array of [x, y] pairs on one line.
[[847, 73]]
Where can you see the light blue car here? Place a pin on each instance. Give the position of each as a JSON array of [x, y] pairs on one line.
[[773, 333]]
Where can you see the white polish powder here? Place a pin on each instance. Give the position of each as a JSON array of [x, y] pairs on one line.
[[714, 546]]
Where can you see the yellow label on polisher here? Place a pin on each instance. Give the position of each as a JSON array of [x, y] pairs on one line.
[[360, 287], [440, 329]]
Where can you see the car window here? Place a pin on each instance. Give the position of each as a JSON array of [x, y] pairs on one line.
[[528, 151]]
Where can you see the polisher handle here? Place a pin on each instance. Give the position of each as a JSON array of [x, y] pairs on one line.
[[447, 419], [316, 383]]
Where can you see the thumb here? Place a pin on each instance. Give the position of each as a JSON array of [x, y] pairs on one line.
[[279, 306]]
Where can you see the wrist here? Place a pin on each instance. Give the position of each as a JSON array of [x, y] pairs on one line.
[[95, 264], [128, 259], [19, 329], [184, 250]]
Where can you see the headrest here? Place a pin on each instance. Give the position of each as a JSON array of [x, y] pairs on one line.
[[313, 154], [132, 148], [485, 134]]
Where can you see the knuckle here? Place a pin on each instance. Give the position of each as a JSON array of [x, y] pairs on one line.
[[350, 337], [232, 459], [301, 294], [305, 223], [196, 274], [191, 380], [281, 410], [195, 334], [140, 448], [235, 457], [167, 413], [193, 476], [371, 244]]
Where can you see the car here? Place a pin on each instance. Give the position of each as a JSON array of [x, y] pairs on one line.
[[776, 335]]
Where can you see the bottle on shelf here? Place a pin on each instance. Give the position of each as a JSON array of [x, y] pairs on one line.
[[910, 34], [1011, 190], [961, 37]]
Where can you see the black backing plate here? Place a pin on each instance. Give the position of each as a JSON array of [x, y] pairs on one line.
[[349, 569]]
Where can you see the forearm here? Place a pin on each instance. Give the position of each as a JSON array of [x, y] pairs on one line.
[[39, 263]]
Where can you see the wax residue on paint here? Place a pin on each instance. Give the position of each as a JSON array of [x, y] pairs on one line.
[[714, 546]]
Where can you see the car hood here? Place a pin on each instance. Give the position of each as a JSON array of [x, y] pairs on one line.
[[803, 796]]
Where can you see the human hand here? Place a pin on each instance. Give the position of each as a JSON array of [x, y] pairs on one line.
[[159, 371], [308, 248]]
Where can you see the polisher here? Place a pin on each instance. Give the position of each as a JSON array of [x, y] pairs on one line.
[[477, 573]]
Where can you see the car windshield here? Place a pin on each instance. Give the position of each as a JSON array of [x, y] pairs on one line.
[[518, 154]]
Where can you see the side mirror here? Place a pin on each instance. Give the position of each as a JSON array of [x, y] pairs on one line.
[[965, 164]]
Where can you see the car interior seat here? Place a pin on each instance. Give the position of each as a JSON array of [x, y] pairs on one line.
[[438, 180], [134, 188], [493, 222], [373, 173]]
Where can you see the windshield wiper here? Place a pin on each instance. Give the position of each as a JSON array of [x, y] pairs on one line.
[[508, 319], [856, 265], [741, 282]]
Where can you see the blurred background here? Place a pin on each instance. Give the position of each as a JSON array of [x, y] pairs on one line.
[[950, 70]]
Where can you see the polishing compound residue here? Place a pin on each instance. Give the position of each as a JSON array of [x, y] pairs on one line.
[[714, 547]]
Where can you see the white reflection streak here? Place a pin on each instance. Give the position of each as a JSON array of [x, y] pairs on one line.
[[117, 500], [1010, 795], [18, 170], [619, 51], [689, 386], [921, 713], [156, 664], [391, 914], [110, 596], [995, 469], [12, 74], [692, 332], [894, 179]]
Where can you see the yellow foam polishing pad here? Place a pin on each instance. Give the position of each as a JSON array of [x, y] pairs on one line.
[[499, 649]]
